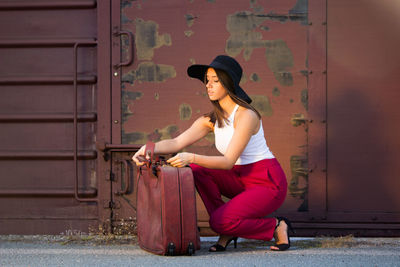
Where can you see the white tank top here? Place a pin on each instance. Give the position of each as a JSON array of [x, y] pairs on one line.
[[255, 150]]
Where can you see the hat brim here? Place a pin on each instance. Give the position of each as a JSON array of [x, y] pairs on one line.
[[199, 71]]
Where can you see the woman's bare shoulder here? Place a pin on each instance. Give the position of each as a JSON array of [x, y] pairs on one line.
[[246, 114], [205, 122]]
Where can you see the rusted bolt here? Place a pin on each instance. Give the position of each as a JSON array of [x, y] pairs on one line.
[[115, 74], [310, 72], [324, 72], [310, 23], [116, 121], [324, 23], [323, 121]]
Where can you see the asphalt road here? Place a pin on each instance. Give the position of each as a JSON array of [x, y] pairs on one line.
[[66, 251]]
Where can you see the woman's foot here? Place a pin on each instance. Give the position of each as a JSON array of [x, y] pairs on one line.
[[281, 234], [222, 243]]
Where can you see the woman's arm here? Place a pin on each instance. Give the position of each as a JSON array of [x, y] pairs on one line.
[[247, 124], [200, 128]]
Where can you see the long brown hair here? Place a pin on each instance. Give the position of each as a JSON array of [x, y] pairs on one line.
[[217, 114]]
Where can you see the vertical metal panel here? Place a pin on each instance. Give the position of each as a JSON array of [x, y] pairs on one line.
[[317, 108], [37, 116], [104, 106], [363, 114]]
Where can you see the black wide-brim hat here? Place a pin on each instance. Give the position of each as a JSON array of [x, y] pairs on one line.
[[227, 64]]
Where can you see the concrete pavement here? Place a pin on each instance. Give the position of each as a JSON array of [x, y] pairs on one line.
[[123, 251]]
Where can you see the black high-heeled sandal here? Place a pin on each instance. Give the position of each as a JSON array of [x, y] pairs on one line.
[[218, 248], [283, 247]]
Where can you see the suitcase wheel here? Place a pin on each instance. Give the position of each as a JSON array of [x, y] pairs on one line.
[[190, 249], [171, 249]]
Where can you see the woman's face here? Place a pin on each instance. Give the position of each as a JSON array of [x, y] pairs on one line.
[[215, 89]]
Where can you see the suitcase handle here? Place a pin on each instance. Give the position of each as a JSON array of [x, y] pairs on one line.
[[149, 151]]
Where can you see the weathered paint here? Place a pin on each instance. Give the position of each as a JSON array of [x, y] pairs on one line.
[[185, 111], [280, 61], [147, 39], [126, 98], [304, 98], [243, 35], [276, 92], [254, 77], [262, 104], [190, 19], [168, 131], [297, 119], [150, 72], [188, 33], [298, 185]]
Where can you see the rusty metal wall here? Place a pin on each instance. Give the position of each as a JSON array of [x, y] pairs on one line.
[[268, 38], [363, 115], [47, 50], [323, 116], [323, 74]]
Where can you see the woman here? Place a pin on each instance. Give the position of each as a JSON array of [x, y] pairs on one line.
[[247, 172]]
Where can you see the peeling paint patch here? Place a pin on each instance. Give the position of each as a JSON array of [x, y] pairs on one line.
[[262, 104], [134, 138], [190, 19], [304, 98], [150, 72], [126, 3], [298, 119], [280, 61], [276, 92], [211, 1], [298, 186], [147, 39], [265, 28], [156, 96], [185, 111], [188, 33], [243, 36], [254, 77], [243, 80], [169, 131], [125, 19], [304, 72], [299, 12], [126, 98], [241, 26], [255, 7]]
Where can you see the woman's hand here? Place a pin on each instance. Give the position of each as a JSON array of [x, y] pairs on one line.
[[181, 159], [140, 153]]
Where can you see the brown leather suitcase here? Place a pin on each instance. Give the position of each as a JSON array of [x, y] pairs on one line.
[[166, 208]]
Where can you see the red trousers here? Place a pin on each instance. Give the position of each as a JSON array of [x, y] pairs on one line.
[[256, 190]]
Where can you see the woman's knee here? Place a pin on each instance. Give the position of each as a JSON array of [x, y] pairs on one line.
[[222, 224]]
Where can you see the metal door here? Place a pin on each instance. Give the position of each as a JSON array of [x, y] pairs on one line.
[[270, 39], [53, 108], [363, 116]]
